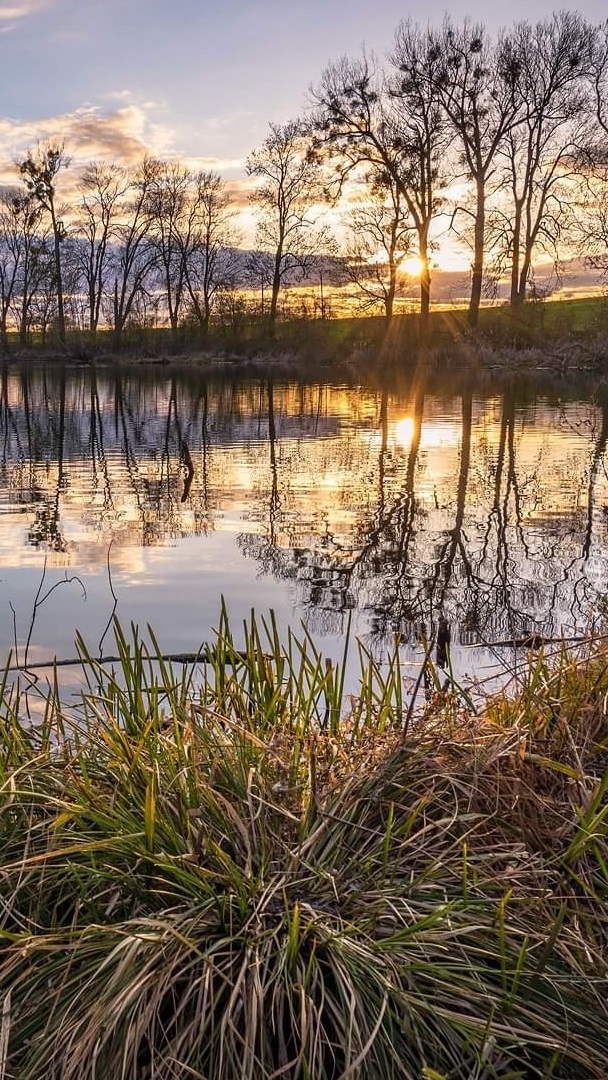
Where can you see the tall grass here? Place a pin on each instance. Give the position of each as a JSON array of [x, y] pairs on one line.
[[235, 871]]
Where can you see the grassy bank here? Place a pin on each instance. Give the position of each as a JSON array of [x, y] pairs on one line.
[[537, 325], [248, 875]]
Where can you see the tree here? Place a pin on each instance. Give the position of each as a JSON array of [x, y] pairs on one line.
[[135, 254], [478, 86], [290, 185], [393, 128], [15, 225], [101, 190], [540, 153], [26, 262], [592, 208], [39, 170], [169, 196], [209, 239], [380, 239], [599, 83], [421, 136]]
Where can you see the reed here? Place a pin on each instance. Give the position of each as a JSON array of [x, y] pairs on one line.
[[234, 870]]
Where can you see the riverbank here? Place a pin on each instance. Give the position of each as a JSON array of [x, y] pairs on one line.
[[244, 873], [559, 337]]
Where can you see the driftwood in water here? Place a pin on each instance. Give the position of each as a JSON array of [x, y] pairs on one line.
[[534, 641], [205, 655]]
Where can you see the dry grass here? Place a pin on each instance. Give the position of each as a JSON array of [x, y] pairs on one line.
[[242, 878]]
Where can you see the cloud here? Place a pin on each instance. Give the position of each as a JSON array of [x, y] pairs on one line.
[[118, 95], [122, 134], [20, 9], [213, 164], [121, 131]]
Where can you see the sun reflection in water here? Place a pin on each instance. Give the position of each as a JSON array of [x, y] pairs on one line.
[[404, 430]]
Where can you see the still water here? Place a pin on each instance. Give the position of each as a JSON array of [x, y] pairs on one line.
[[150, 496]]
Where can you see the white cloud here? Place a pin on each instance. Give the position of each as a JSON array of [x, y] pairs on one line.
[[123, 134], [20, 9], [213, 164]]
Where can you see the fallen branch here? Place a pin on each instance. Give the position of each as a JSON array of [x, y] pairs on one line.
[[205, 655]]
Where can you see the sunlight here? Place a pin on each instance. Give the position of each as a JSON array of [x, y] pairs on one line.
[[404, 429], [412, 266]]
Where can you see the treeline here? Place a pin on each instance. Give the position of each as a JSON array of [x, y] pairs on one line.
[[499, 143]]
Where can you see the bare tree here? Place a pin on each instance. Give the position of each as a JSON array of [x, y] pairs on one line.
[[422, 137], [541, 153], [26, 260], [101, 190], [599, 82], [478, 85], [394, 127], [379, 241], [592, 208], [208, 240], [15, 225], [135, 255], [39, 170], [169, 198], [290, 186]]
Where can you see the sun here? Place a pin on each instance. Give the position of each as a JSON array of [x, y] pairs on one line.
[[412, 266]]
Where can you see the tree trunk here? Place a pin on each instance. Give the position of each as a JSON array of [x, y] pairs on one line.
[[118, 320], [276, 286], [425, 279], [478, 256], [389, 298], [206, 316], [425, 294], [525, 270], [274, 300], [516, 298], [60, 309], [92, 311], [202, 316]]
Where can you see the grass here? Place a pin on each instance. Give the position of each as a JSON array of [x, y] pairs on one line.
[[536, 324], [243, 873]]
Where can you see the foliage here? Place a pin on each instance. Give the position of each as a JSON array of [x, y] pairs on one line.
[[230, 870]]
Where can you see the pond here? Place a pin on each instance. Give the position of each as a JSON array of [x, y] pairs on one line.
[[151, 495]]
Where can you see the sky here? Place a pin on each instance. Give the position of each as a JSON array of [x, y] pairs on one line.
[[197, 80]]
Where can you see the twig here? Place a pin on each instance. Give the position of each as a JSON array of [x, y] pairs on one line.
[[39, 601], [114, 597], [422, 674]]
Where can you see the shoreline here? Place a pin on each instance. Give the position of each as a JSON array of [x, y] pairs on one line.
[[575, 357]]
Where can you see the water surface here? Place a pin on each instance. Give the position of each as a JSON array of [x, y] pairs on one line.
[[151, 495]]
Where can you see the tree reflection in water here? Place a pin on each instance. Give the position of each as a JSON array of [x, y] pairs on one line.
[[491, 558], [417, 508]]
